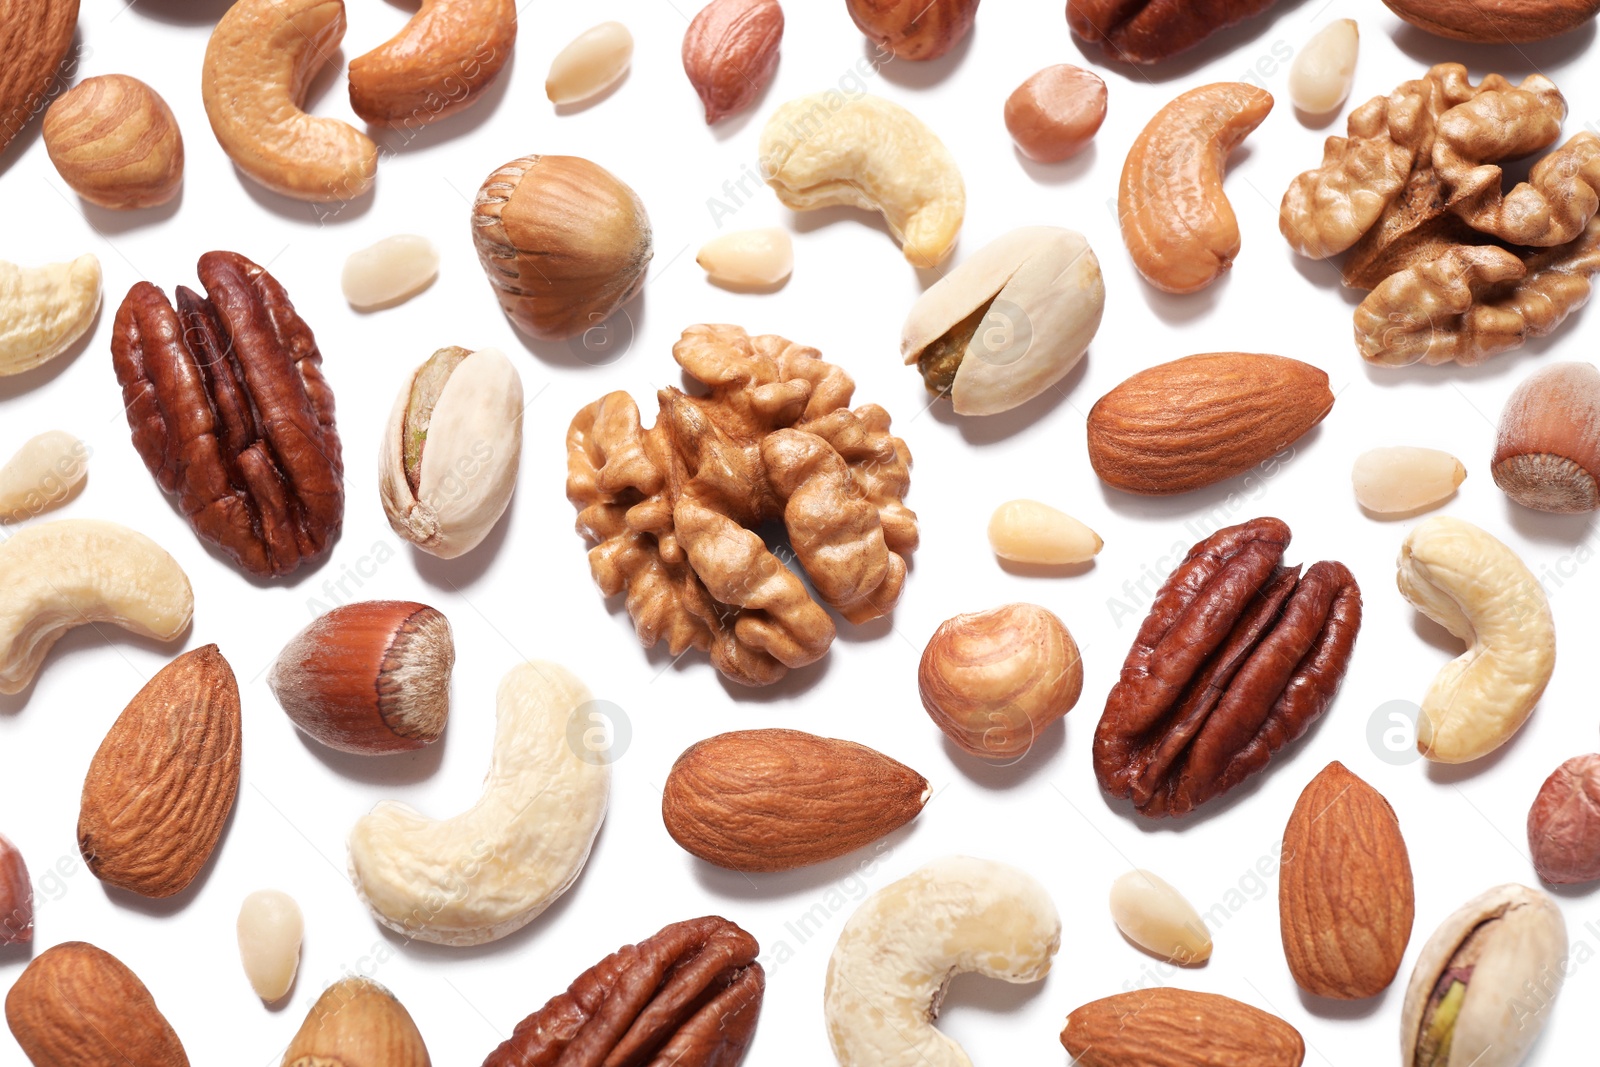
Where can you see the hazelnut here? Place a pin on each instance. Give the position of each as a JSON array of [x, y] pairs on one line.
[[370, 677], [1056, 112], [563, 241], [993, 680], [115, 141], [1564, 823], [1547, 456]]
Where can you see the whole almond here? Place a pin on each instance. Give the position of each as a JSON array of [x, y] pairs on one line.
[[1166, 1027], [730, 53], [79, 1006], [774, 800], [16, 897], [160, 788], [1345, 900], [1199, 420], [1495, 21]]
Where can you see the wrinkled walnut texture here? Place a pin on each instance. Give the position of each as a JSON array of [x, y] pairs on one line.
[[1459, 268], [230, 412], [689, 996], [1238, 657], [673, 510], [1148, 31]]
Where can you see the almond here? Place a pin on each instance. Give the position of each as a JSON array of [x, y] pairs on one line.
[[79, 1006], [1495, 21], [16, 897], [1345, 901], [34, 38], [1165, 1027], [357, 1023], [774, 800], [160, 788], [1198, 420]]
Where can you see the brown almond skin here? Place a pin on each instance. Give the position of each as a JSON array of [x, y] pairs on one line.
[[1166, 1027], [775, 800], [1057, 111], [1345, 897], [158, 793], [35, 36], [1202, 419], [16, 897], [116, 142], [369, 678], [79, 1006], [730, 53], [357, 1023], [1564, 823], [1496, 21], [1547, 448]]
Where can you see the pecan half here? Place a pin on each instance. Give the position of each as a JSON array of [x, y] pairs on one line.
[[1238, 656], [231, 414], [1148, 31], [688, 997]]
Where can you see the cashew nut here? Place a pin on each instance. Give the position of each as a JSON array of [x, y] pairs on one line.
[[1176, 220], [259, 63], [44, 309], [442, 61], [1475, 587], [72, 572], [826, 149], [491, 870], [888, 973]]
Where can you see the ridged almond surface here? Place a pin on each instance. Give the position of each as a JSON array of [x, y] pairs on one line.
[[34, 38], [774, 800], [1202, 419], [1495, 21], [1166, 1027], [357, 1023], [1345, 900], [79, 1006], [159, 790]]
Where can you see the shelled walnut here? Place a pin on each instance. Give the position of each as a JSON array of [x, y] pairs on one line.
[[1459, 268], [674, 510]]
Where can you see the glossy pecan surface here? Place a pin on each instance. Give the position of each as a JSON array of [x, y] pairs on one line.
[[1238, 657], [1148, 31], [687, 997], [231, 414]]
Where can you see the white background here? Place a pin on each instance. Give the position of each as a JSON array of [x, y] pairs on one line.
[[527, 591]]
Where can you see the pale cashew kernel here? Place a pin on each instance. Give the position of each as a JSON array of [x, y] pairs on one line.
[[491, 870], [45, 473], [43, 310], [824, 150], [888, 973], [1176, 220], [1475, 587], [72, 572], [259, 63]]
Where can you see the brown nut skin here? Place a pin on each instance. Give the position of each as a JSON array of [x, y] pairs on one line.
[[440, 63], [1166, 1027], [689, 996], [777, 800], [79, 1006], [357, 1023], [1177, 223], [1237, 658], [1495, 21], [115, 142], [1547, 450], [563, 241], [1345, 896], [369, 678], [914, 29], [1148, 31], [16, 896], [34, 38], [994, 680], [730, 53], [1564, 823], [1056, 112]]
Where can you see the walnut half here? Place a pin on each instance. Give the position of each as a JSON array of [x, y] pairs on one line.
[[1460, 269], [676, 511]]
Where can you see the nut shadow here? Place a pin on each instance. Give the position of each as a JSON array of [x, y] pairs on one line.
[[109, 222], [990, 429], [397, 139], [797, 683], [598, 346], [1559, 531], [1194, 965], [1406, 516], [1512, 60], [578, 106], [1320, 122], [802, 881], [182, 12], [729, 126], [1331, 1008], [1456, 773], [1067, 170], [14, 385], [1180, 309], [306, 211], [918, 73], [973, 992], [1014, 771], [465, 571], [1045, 570], [95, 636], [1324, 274], [395, 768], [818, 218]]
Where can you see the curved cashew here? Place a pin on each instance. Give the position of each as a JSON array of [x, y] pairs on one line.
[[1176, 220], [898, 952], [442, 61], [259, 62], [824, 150], [44, 309], [491, 870], [1475, 587], [72, 572]]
